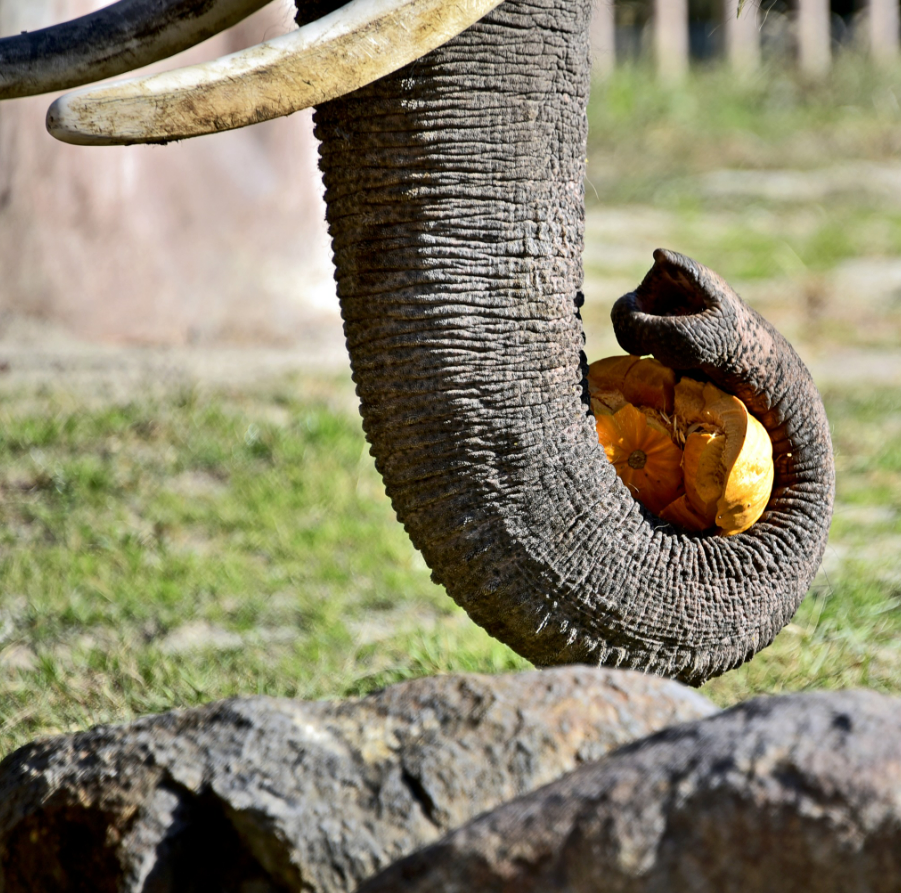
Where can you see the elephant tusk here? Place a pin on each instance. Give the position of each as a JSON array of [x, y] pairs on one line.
[[113, 40], [347, 49]]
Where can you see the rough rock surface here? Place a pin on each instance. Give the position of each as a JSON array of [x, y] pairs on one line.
[[264, 795], [777, 795]]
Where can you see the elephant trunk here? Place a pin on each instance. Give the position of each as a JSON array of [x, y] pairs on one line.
[[455, 203]]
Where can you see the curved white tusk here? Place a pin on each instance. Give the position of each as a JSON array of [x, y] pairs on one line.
[[353, 46], [113, 40]]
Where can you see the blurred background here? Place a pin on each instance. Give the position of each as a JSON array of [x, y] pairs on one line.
[[206, 241], [188, 509]]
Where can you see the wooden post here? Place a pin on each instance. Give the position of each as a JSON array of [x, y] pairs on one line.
[[742, 35], [884, 26], [671, 38], [814, 37], [603, 37]]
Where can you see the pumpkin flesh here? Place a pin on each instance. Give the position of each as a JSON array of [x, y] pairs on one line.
[[688, 451]]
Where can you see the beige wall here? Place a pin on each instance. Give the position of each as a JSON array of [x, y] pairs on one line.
[[220, 238]]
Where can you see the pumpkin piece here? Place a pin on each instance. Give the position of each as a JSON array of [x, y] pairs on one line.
[[645, 383], [683, 515], [705, 477], [650, 383], [644, 456], [600, 409], [645, 419], [750, 482], [606, 379], [728, 463], [610, 372]]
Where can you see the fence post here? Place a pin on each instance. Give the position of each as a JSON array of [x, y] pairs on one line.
[[884, 26], [603, 37], [671, 38], [742, 35], [814, 37]]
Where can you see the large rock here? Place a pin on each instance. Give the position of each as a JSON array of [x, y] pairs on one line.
[[257, 794], [778, 795]]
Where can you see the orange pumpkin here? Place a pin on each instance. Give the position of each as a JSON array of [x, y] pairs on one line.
[[644, 456], [686, 450]]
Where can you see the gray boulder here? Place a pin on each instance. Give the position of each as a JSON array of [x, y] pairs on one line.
[[778, 795], [259, 794]]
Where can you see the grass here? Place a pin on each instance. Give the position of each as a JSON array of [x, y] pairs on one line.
[[164, 553], [196, 544], [174, 550]]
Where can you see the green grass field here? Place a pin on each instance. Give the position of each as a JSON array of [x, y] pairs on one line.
[[178, 550], [167, 550]]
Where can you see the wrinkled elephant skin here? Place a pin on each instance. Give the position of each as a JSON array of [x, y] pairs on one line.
[[454, 191]]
